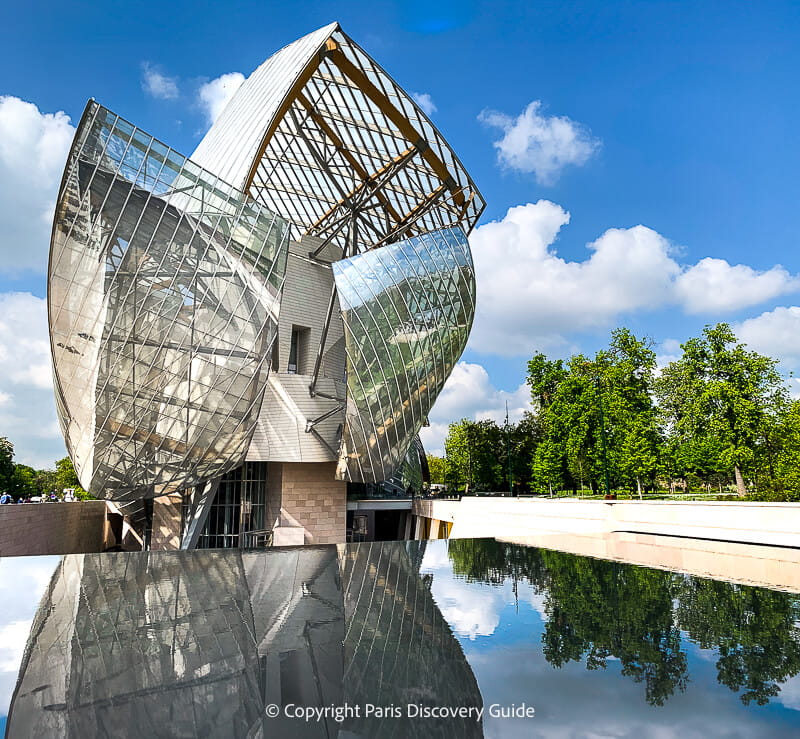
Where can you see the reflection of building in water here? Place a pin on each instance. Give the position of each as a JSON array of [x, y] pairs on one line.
[[198, 644], [179, 644], [399, 650]]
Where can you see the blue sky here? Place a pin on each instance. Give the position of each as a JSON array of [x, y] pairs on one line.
[[661, 133]]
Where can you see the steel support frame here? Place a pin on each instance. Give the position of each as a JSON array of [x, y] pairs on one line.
[[199, 508], [322, 340]]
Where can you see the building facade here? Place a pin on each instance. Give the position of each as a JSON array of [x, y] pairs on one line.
[[241, 335]]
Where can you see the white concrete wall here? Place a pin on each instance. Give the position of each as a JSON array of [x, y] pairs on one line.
[[757, 523]]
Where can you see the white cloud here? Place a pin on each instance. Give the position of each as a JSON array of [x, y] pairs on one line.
[[158, 85], [468, 393], [529, 298], [33, 151], [714, 285], [27, 414], [543, 145], [425, 101], [214, 95], [775, 333]]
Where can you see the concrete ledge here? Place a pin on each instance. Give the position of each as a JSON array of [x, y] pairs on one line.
[[773, 524], [747, 564], [379, 504]]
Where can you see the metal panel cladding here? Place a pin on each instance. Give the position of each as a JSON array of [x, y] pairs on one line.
[[164, 288], [407, 311]]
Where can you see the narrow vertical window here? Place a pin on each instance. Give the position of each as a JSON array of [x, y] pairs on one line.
[[294, 351], [298, 350]]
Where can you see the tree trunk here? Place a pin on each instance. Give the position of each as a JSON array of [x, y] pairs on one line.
[[741, 490], [639, 487]]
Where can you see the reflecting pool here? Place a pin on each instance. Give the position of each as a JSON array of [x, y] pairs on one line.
[[465, 638]]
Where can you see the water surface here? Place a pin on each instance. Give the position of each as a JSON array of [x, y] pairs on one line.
[[461, 638]]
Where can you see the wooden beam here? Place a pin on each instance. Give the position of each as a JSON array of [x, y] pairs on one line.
[[348, 156], [369, 182], [405, 126]]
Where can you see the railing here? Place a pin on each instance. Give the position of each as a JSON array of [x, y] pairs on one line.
[[257, 539]]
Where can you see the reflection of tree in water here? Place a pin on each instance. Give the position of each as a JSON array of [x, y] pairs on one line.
[[754, 631], [493, 562], [598, 610]]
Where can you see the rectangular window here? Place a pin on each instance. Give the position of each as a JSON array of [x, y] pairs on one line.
[[298, 348]]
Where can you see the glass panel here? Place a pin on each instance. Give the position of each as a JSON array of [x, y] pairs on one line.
[[239, 507], [407, 310], [163, 321]]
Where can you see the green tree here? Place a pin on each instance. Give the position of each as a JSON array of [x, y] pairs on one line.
[[524, 438], [544, 378], [436, 468], [45, 481], [66, 477], [474, 455], [782, 453], [629, 367], [25, 481], [718, 400], [547, 466], [7, 480], [597, 416]]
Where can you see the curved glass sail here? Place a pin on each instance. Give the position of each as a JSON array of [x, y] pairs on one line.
[[163, 294], [324, 136], [407, 310]]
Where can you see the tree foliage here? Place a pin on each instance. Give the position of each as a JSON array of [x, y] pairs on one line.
[[716, 416], [597, 417], [436, 469], [7, 481], [471, 457], [23, 481], [718, 401]]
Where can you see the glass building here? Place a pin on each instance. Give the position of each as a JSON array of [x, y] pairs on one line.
[[241, 335]]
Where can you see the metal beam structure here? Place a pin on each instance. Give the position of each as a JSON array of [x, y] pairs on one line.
[[202, 499]]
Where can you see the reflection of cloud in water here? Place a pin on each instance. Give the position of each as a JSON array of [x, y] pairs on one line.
[[536, 600], [472, 609], [575, 702], [23, 581], [790, 693], [436, 557]]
